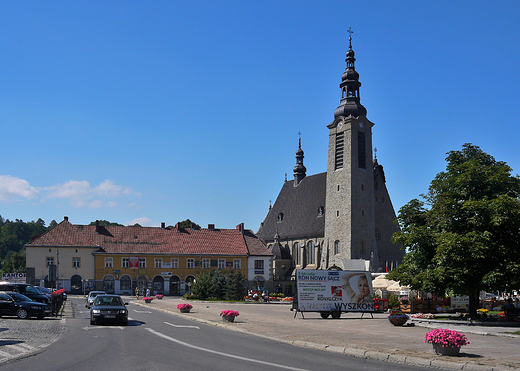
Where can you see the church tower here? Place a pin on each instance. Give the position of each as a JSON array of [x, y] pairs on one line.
[[349, 210]]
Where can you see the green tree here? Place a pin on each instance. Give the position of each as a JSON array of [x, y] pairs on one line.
[[219, 282], [203, 286], [235, 286], [14, 262], [106, 223], [188, 224], [464, 237]]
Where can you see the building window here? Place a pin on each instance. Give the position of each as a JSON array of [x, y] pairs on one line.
[[125, 262], [237, 263], [361, 150], [296, 253], [190, 263], [142, 262], [259, 264], [340, 142], [109, 262], [76, 262], [362, 249], [50, 261], [337, 247], [206, 263], [222, 264], [175, 263], [310, 258], [158, 262], [378, 235]]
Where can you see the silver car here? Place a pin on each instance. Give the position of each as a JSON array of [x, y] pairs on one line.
[[89, 301]]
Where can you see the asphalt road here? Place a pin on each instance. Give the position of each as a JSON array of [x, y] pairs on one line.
[[156, 340]]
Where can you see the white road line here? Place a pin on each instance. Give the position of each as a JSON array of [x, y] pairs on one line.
[[87, 328], [223, 354], [171, 324], [142, 311]]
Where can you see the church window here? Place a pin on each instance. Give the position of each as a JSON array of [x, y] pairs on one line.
[[378, 235], [362, 187], [382, 200], [320, 211], [280, 217], [337, 248], [337, 212], [362, 212], [361, 150], [296, 253], [310, 251], [340, 142]]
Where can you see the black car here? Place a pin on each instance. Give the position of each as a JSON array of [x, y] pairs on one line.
[[109, 308], [25, 289], [15, 304]]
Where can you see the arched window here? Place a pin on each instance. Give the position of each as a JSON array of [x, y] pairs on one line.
[[158, 285], [310, 252], [337, 247], [125, 283], [296, 253], [108, 284], [175, 285]]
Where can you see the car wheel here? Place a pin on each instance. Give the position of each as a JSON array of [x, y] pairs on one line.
[[336, 314], [40, 317], [124, 322], [92, 321], [22, 313]]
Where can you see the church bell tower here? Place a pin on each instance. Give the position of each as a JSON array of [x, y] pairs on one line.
[[349, 209]]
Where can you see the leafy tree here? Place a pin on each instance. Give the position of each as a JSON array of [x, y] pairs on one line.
[[202, 288], [106, 223], [235, 286], [218, 287], [464, 237], [14, 262], [188, 224]]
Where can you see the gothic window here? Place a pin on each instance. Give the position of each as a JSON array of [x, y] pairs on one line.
[[337, 247], [280, 217], [340, 142], [310, 251], [361, 150], [296, 253]]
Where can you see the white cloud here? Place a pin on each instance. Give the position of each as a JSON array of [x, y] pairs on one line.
[[73, 189], [143, 221], [109, 189], [12, 188], [96, 204]]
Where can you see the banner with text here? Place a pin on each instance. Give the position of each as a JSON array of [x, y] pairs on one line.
[[320, 290]]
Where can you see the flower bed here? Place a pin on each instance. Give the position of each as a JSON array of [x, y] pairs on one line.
[[423, 316]]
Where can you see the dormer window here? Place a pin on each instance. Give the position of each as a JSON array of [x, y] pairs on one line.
[[280, 217]]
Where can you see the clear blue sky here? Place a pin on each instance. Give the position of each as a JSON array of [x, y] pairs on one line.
[[150, 112]]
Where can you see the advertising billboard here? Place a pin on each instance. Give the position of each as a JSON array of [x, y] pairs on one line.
[[344, 291]]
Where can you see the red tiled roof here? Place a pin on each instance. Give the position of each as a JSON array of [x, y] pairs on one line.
[[152, 240]]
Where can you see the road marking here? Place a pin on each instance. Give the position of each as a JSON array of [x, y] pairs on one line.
[[180, 342], [87, 328], [142, 311], [171, 324]]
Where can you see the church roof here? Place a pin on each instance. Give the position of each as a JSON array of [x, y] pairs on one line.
[[299, 211]]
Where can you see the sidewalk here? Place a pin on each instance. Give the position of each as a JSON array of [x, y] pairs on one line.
[[490, 348]]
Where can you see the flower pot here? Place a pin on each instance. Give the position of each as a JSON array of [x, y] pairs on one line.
[[398, 320], [148, 301], [185, 310], [445, 351], [228, 318]]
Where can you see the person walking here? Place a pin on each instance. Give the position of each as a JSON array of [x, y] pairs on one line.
[[137, 293]]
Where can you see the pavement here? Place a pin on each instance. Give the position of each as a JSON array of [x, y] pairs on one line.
[[491, 348]]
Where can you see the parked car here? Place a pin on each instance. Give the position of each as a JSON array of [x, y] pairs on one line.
[[109, 308], [25, 289], [15, 304], [89, 300]]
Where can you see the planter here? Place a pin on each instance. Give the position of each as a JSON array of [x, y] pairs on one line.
[[185, 310], [148, 301], [228, 318], [398, 320], [445, 351]]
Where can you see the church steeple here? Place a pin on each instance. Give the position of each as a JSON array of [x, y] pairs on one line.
[[299, 169], [349, 104]]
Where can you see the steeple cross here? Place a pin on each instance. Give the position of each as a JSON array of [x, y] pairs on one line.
[[350, 31]]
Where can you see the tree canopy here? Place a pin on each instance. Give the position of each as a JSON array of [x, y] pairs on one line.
[[464, 236]]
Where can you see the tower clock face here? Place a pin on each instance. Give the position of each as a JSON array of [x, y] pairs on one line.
[[340, 125], [361, 124]]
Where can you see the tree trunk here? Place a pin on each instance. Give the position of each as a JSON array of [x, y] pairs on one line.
[[473, 304]]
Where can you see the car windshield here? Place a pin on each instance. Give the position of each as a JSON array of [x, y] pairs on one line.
[[108, 300], [19, 297], [29, 290], [44, 290], [93, 294]]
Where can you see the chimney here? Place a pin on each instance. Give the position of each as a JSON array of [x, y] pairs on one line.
[[66, 218], [163, 225], [97, 226], [211, 227], [240, 228]]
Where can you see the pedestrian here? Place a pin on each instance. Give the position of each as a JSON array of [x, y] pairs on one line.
[[148, 292], [137, 293]]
